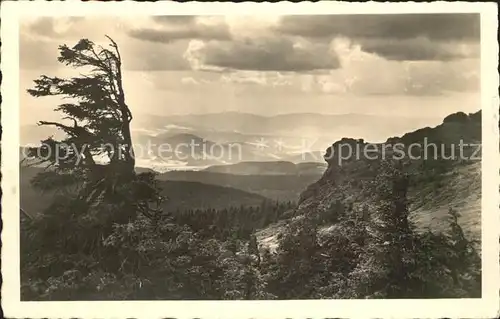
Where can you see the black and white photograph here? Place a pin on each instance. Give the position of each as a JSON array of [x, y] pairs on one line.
[[210, 154]]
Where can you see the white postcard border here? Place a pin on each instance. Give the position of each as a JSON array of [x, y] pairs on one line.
[[485, 307]]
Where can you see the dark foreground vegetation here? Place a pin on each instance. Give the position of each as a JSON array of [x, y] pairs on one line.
[[105, 235]]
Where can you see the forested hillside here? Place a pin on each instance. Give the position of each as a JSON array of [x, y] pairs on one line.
[[177, 194], [277, 187]]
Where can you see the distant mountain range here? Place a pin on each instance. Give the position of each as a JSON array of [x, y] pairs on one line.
[[232, 137], [269, 168], [193, 150], [373, 127]]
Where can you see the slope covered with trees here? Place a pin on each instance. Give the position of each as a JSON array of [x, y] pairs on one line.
[[176, 194], [277, 187], [373, 251]]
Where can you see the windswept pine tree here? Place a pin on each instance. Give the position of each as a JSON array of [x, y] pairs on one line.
[[99, 124], [90, 195]]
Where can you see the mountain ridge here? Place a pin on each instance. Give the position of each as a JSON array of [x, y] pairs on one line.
[[278, 167], [436, 184]]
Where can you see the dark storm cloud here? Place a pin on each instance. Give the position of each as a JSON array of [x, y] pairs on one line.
[[167, 36], [393, 26], [266, 54], [419, 49], [181, 27], [395, 36]]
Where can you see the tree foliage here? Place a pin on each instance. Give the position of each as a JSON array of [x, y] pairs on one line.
[[99, 122]]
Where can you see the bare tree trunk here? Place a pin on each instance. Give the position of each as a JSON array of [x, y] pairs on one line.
[[125, 112]]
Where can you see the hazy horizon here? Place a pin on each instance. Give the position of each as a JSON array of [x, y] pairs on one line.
[[395, 115]]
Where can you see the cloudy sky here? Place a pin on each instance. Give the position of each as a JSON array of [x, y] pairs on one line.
[[406, 65]]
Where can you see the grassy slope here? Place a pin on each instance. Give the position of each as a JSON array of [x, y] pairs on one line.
[[459, 189]]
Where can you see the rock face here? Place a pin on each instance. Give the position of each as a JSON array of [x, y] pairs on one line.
[[435, 185], [341, 158]]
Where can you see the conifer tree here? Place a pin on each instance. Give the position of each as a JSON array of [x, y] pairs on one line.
[[463, 261], [394, 226], [91, 196], [384, 269], [99, 126], [253, 247]]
